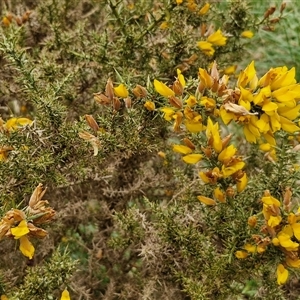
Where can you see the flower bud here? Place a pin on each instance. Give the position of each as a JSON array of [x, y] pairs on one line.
[[139, 91], [270, 11], [101, 99], [177, 87], [109, 89], [92, 122], [282, 7], [175, 102], [128, 102], [189, 143], [116, 103], [252, 221], [230, 192]]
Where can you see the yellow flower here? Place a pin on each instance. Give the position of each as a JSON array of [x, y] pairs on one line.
[[191, 101], [65, 295], [248, 76], [209, 103], [121, 91], [15, 123], [150, 105], [266, 147], [252, 221], [194, 126], [292, 219], [168, 113], [274, 221], [204, 9], [206, 200], [192, 158], [241, 254], [205, 79], [20, 230], [3, 297], [179, 2], [230, 70], [162, 89], [213, 135], [286, 242], [227, 153], [217, 38], [206, 47], [295, 263], [282, 274], [164, 25], [247, 34], [219, 195], [250, 248], [231, 169]]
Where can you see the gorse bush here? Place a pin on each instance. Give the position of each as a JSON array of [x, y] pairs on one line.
[[167, 173]]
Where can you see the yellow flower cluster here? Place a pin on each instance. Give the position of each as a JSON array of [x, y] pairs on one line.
[[263, 106], [23, 224], [214, 39], [280, 229], [227, 163], [7, 127], [192, 6]]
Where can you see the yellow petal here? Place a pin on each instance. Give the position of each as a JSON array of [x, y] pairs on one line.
[[228, 171], [230, 70], [269, 200], [150, 105], [20, 230], [121, 91], [227, 153], [241, 254], [250, 137], [65, 295], [296, 230], [289, 113], [247, 75], [191, 101], [282, 274], [274, 221], [286, 242], [204, 178], [168, 113], [250, 248], [162, 89], [284, 79], [242, 183], [192, 158], [206, 47], [194, 126], [26, 247], [182, 149], [14, 123], [206, 200], [3, 297], [288, 126], [294, 263], [204, 9], [180, 78], [217, 38], [247, 34], [226, 116], [219, 195]]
